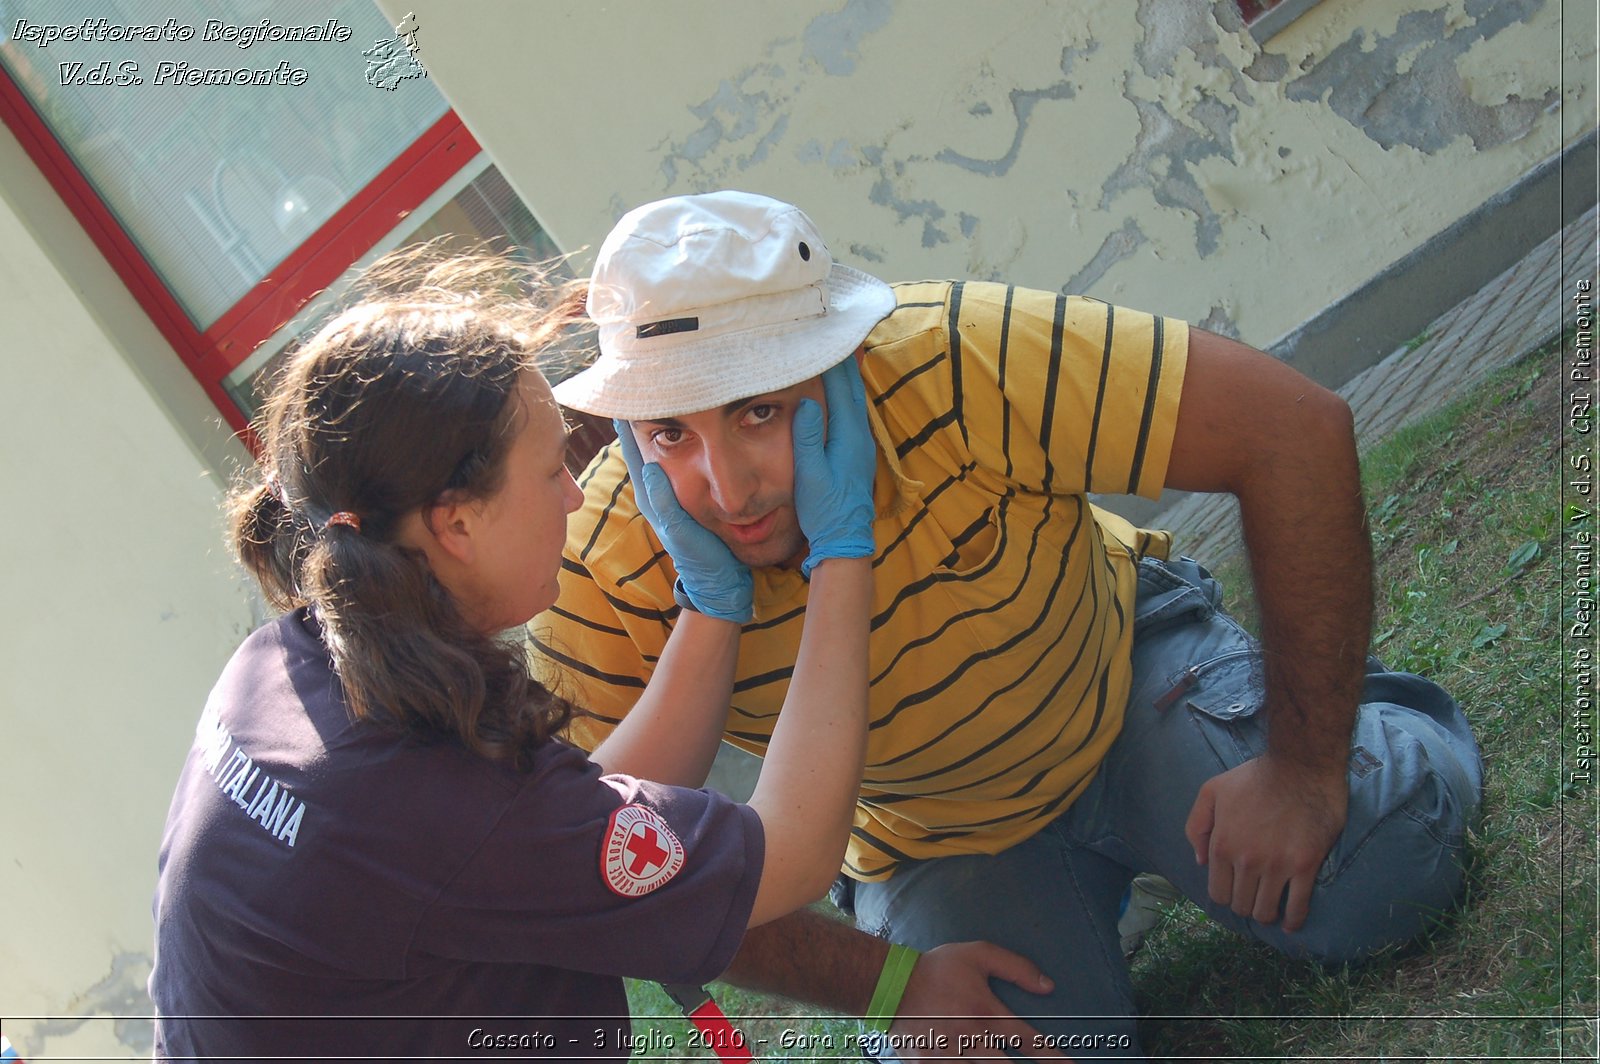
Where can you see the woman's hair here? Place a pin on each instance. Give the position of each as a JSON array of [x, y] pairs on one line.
[[406, 397]]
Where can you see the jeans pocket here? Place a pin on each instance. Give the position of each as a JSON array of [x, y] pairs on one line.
[[1173, 592], [1224, 695]]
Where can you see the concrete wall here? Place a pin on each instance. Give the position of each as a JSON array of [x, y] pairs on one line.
[[1147, 152], [121, 607]]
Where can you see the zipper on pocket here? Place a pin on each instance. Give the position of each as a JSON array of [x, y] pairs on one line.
[[1191, 676]]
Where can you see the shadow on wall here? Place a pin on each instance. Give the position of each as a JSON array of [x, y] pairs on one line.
[[121, 998]]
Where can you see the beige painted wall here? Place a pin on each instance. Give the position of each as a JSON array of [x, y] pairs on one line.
[[121, 607], [1140, 151]]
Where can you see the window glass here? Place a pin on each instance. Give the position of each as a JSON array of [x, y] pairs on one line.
[[476, 207], [221, 144]]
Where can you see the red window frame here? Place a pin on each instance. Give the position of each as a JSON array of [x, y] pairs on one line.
[[1254, 9], [1267, 18], [400, 188]]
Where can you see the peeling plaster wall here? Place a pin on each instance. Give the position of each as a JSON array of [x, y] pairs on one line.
[[1145, 152]]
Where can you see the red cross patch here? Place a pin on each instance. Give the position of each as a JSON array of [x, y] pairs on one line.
[[640, 852]]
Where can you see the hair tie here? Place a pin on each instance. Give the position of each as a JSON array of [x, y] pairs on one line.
[[344, 517]]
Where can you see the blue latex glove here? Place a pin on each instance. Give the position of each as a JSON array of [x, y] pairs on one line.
[[710, 579], [833, 480]]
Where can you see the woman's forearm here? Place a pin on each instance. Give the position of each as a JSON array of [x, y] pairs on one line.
[[812, 771]]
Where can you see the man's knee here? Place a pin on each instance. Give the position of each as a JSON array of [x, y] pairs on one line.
[[1355, 924], [1414, 762], [1399, 865]]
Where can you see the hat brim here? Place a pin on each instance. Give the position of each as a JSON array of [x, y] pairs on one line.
[[702, 373]]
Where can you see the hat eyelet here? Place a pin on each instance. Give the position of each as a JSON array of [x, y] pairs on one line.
[[805, 252]]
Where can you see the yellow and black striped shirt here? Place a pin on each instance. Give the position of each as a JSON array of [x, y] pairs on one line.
[[1002, 613]]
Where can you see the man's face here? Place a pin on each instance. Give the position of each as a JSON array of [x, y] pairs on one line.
[[732, 469]]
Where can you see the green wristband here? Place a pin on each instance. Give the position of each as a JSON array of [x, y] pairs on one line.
[[891, 987]]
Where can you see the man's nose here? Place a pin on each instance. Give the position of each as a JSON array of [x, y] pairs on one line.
[[728, 480]]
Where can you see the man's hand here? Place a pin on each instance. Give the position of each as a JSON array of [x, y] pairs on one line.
[[813, 959], [949, 994], [1265, 826]]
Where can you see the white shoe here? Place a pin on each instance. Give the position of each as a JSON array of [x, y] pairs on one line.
[[1147, 900]]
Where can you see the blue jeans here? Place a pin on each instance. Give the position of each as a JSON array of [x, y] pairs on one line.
[[1415, 782]]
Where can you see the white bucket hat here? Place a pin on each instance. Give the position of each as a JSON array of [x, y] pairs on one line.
[[702, 300]]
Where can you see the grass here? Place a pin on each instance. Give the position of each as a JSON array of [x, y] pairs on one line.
[[1465, 512]]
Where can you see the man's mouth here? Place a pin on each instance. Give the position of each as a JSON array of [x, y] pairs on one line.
[[751, 531]]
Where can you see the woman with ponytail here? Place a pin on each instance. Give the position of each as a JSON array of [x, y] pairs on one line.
[[380, 846]]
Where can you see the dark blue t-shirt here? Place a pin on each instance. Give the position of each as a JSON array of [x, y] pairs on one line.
[[331, 888]]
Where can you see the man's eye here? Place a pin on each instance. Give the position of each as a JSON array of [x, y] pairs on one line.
[[666, 437], [761, 413]]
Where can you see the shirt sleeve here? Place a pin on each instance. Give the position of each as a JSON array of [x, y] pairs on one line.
[[1056, 394], [605, 874]]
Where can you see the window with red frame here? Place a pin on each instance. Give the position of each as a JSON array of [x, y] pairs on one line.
[[1265, 18], [1254, 9], [229, 174]]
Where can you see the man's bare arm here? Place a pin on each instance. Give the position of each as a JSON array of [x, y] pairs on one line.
[[814, 959], [1286, 448]]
